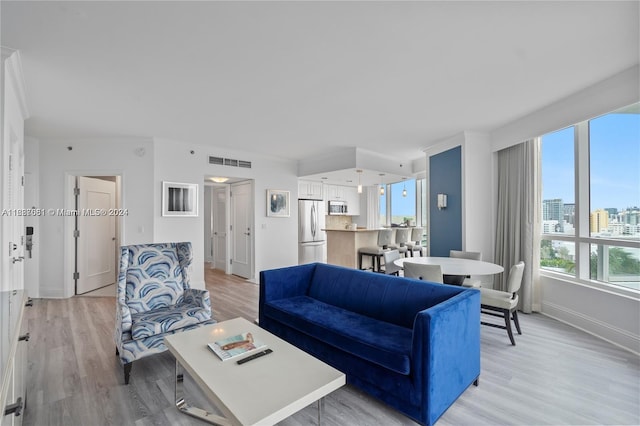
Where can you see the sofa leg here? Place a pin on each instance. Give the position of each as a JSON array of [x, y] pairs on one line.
[[127, 372], [476, 382]]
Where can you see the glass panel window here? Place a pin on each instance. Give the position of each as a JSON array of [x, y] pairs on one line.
[[558, 182], [614, 152], [615, 265], [403, 202], [593, 234], [558, 256]]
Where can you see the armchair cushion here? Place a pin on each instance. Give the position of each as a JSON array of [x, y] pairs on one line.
[[154, 278], [167, 319]]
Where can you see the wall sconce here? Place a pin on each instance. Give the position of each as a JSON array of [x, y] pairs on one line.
[[442, 201]]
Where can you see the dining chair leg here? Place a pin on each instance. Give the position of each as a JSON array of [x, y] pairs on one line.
[[507, 323], [515, 321]]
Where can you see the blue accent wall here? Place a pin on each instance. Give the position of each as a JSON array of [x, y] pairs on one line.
[[445, 177]]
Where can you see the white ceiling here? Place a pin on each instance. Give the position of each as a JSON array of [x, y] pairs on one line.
[[296, 79]]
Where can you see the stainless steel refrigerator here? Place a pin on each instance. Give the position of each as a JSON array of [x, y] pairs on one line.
[[311, 237]]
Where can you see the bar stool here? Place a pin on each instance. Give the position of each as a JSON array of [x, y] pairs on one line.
[[415, 244], [402, 238], [376, 253]]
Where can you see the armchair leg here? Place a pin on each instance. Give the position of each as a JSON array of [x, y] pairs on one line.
[[507, 322], [516, 322], [127, 372], [117, 351]]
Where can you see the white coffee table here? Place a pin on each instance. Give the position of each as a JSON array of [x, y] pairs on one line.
[[263, 391]]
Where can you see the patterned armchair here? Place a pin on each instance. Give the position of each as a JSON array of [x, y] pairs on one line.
[[155, 299]]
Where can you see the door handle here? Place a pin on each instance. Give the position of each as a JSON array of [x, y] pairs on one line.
[[17, 259]]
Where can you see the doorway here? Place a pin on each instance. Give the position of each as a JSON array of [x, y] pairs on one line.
[[92, 234], [229, 225]]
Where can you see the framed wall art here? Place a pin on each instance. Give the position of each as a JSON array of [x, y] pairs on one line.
[[179, 199], [278, 203]]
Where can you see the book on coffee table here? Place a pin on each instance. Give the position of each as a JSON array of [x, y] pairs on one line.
[[234, 346]]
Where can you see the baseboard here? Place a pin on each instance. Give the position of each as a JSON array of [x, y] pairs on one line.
[[614, 335]]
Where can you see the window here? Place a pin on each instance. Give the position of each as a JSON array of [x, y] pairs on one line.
[[590, 199], [403, 202]]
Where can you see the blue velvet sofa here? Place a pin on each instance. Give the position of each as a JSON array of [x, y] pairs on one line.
[[414, 345]]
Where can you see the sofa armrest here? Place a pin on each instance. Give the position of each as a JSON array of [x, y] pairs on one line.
[[198, 297], [283, 283], [446, 351]]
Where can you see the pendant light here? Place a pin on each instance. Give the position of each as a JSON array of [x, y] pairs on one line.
[[404, 189], [381, 185], [359, 181]]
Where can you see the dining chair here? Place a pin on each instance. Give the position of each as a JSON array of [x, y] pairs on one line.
[[390, 268], [376, 253], [401, 240], [415, 243], [473, 255], [504, 303], [432, 273]]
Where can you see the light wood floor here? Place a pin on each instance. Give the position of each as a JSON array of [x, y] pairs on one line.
[[556, 375]]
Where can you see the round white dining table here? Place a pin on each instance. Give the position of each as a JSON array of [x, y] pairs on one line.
[[455, 266]]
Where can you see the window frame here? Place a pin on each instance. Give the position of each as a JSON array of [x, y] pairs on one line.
[[582, 237]]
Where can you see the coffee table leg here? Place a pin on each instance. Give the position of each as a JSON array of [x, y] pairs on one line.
[[184, 407]]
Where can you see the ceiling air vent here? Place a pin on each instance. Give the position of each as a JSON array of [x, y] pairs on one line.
[[220, 161]]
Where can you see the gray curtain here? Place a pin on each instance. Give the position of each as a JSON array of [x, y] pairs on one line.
[[518, 218]]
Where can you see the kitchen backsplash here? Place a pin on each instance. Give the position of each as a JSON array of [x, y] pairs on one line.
[[337, 222]]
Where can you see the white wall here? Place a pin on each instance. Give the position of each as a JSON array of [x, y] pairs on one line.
[[477, 213], [89, 157], [276, 239], [142, 176], [610, 314]]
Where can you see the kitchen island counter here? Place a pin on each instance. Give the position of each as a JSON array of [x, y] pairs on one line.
[[343, 246]]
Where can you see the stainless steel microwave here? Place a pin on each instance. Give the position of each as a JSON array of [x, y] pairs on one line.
[[337, 208]]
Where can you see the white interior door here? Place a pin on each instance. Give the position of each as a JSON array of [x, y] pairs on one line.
[[219, 209], [242, 229], [13, 219], [97, 234]]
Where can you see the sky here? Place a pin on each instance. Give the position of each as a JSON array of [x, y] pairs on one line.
[[614, 163]]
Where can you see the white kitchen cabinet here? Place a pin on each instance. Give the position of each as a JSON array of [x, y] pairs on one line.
[[348, 194], [336, 192], [310, 190]]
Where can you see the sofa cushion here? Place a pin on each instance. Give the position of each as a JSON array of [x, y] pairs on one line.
[[380, 342], [391, 299], [163, 320]]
